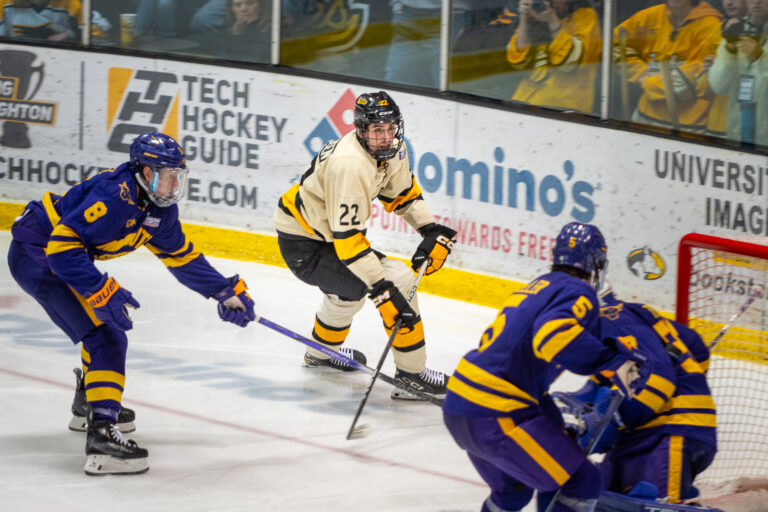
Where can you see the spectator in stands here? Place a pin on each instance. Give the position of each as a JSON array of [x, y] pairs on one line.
[[211, 17], [716, 121], [414, 53], [246, 33], [684, 33], [155, 19], [740, 70], [36, 19], [558, 44]]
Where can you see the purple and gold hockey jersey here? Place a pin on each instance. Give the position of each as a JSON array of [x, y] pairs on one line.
[[105, 217], [676, 399], [543, 329]]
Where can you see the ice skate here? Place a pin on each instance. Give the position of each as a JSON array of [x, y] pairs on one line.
[[109, 453], [78, 423], [311, 361], [427, 381]]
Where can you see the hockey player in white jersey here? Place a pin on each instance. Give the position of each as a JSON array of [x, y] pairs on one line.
[[321, 227]]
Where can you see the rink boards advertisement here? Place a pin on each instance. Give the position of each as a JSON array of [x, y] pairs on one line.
[[507, 182]]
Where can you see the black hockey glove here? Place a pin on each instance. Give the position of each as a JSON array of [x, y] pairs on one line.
[[392, 305], [437, 245]]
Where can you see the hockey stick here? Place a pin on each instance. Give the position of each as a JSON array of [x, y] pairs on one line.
[[757, 292], [341, 357], [613, 406], [352, 432]]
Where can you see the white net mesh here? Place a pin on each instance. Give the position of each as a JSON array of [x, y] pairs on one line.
[[722, 283]]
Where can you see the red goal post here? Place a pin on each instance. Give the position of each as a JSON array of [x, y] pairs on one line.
[[721, 294]]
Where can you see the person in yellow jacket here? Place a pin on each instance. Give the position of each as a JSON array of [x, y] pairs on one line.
[[558, 44], [683, 33]]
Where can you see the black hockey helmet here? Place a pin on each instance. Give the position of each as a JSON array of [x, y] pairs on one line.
[[378, 107]]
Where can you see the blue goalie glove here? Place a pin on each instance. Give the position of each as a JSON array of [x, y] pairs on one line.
[[235, 305], [582, 418]]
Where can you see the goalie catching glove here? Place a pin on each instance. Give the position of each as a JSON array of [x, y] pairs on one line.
[[392, 305], [110, 303], [235, 305], [437, 245], [582, 418]]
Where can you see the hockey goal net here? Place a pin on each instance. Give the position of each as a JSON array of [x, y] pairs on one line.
[[721, 294]]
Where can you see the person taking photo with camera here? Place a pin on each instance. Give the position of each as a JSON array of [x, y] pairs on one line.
[[740, 70], [558, 45]]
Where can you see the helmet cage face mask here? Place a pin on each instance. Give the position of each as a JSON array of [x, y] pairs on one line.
[[163, 155], [167, 186], [378, 108]]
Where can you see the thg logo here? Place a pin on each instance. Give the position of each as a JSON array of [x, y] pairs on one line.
[[139, 103]]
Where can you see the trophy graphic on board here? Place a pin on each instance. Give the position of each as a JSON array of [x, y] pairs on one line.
[[19, 82]]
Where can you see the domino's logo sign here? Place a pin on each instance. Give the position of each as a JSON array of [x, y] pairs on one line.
[[338, 121]]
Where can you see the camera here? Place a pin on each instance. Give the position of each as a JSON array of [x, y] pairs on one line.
[[742, 28], [538, 6]]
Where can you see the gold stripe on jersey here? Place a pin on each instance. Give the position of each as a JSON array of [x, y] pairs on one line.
[[689, 419], [530, 446], [483, 398], [288, 203], [50, 210], [403, 199], [547, 345], [661, 384], [486, 379], [72, 240], [650, 399], [675, 468], [176, 258], [132, 241], [691, 366], [329, 335], [409, 341], [350, 245]]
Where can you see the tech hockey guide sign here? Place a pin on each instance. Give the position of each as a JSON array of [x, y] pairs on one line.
[[506, 181]]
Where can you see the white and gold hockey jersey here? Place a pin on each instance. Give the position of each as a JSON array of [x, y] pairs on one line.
[[332, 202]]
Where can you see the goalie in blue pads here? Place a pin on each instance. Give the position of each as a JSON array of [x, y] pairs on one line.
[[113, 213], [497, 407], [666, 434]]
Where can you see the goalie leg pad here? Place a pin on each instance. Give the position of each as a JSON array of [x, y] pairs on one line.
[[671, 463], [614, 502]]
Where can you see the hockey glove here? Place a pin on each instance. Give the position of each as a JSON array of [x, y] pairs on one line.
[[235, 305], [437, 245], [110, 303], [581, 419], [392, 305], [631, 376]]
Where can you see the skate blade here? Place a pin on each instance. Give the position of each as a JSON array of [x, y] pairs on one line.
[[79, 424], [97, 465], [399, 394]]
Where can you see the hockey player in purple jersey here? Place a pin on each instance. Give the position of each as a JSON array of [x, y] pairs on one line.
[[113, 213], [668, 434], [497, 407]]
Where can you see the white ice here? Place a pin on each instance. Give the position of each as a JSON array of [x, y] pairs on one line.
[[230, 418]]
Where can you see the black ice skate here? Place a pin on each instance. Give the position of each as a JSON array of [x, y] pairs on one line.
[[427, 381], [109, 453], [311, 361], [78, 423]]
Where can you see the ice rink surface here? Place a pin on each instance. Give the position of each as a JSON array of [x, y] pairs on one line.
[[230, 418]]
